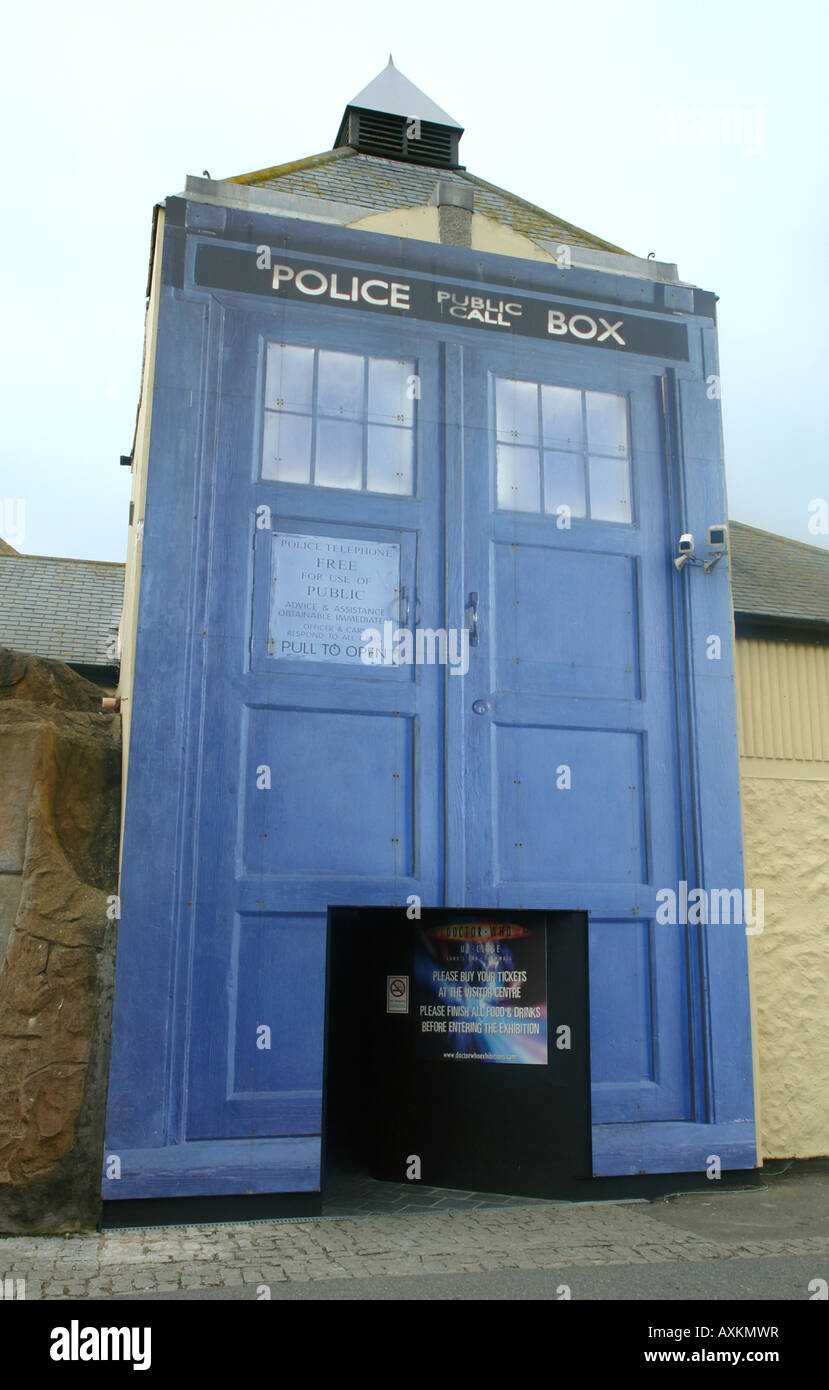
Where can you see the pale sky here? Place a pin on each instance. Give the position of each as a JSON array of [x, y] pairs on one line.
[[694, 130]]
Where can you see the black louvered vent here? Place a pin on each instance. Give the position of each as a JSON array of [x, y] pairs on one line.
[[379, 133], [383, 134], [437, 145]]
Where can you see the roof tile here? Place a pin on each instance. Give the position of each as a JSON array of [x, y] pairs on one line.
[[775, 577], [68, 609]]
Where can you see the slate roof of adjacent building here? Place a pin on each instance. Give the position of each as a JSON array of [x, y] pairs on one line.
[[778, 579], [65, 609]]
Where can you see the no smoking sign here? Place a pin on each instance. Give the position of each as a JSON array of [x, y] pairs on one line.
[[397, 994]]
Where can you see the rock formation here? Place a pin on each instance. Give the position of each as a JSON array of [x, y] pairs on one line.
[[60, 773]]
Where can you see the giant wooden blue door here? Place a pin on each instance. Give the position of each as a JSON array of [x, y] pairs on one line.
[[530, 492], [322, 777], [568, 718]]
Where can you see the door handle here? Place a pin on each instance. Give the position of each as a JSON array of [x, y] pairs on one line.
[[403, 608], [472, 610]]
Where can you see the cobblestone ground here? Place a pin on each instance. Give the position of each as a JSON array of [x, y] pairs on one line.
[[538, 1236]]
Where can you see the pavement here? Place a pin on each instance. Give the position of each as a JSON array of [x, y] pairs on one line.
[[381, 1240]]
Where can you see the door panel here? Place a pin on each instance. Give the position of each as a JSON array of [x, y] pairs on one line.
[[588, 593]]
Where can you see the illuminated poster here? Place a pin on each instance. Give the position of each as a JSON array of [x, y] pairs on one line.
[[480, 992]]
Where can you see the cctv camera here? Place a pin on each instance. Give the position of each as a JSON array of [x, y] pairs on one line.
[[686, 544], [718, 537]]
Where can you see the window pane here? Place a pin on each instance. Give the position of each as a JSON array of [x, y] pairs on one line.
[[340, 384], [286, 447], [607, 423], [516, 410], [609, 489], [289, 379], [561, 415], [390, 455], [564, 482], [518, 479], [387, 399], [339, 454]]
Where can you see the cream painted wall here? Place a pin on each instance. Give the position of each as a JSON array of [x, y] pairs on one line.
[[129, 616], [783, 718], [421, 223]]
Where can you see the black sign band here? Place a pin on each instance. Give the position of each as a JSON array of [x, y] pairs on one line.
[[279, 275]]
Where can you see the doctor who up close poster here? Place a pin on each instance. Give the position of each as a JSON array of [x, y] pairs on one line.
[[480, 992]]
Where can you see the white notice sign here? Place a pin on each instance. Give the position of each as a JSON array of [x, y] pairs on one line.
[[397, 994], [327, 591]]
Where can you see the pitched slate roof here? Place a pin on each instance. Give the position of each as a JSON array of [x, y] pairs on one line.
[[776, 578], [344, 175], [6, 549], [67, 609]]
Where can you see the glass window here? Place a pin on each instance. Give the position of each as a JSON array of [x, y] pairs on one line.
[[390, 461], [562, 415], [290, 377], [339, 454], [564, 483], [609, 489], [518, 489], [338, 419], [286, 448], [340, 384], [388, 392], [516, 410], [607, 423], [561, 447]]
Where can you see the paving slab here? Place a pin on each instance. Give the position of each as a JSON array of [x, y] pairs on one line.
[[785, 1219]]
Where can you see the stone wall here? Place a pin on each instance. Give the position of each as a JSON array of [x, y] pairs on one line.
[[60, 771]]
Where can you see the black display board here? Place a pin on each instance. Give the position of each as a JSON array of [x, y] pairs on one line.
[[458, 1051]]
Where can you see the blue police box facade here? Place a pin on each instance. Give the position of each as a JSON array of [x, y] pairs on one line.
[[352, 429]]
